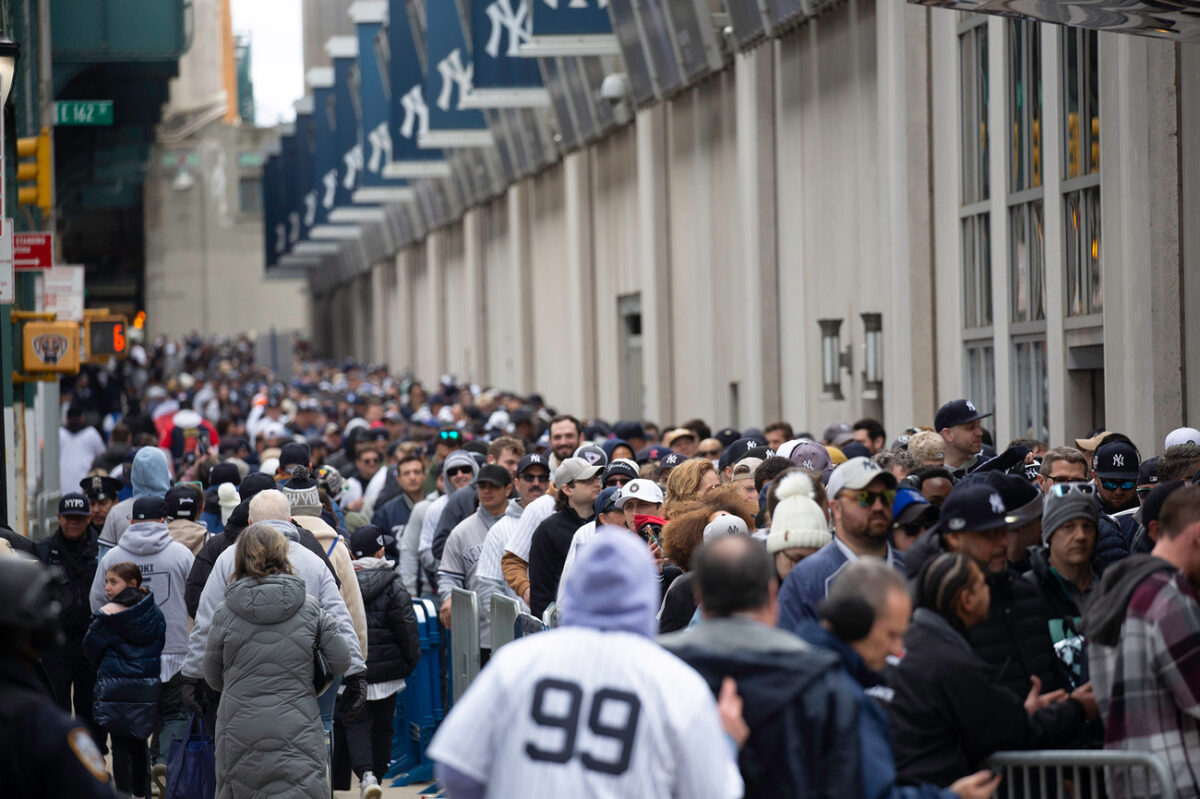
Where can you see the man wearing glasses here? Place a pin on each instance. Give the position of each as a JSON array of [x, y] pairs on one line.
[[860, 497], [1063, 465], [1115, 472]]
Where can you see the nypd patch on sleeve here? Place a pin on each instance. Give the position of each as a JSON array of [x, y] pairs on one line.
[[85, 749]]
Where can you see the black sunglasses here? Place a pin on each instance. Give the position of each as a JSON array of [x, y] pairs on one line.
[[535, 478], [457, 470]]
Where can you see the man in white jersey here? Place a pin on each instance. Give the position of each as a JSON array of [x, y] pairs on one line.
[[593, 708]]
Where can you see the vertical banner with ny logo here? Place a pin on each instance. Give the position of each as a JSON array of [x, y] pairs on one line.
[[572, 22], [374, 89], [503, 79], [306, 190], [326, 159], [289, 221], [449, 81], [403, 50], [347, 113], [274, 232]]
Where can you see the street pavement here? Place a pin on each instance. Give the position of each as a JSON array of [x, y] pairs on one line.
[[407, 792]]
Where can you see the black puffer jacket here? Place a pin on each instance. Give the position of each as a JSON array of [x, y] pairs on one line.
[[547, 555], [1015, 638], [392, 643], [1112, 543]]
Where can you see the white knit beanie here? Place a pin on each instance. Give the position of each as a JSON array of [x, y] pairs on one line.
[[798, 520], [227, 493]]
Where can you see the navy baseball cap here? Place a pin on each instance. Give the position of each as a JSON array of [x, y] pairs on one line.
[[607, 501], [973, 507], [294, 454], [180, 503], [1116, 460], [74, 504], [533, 459], [628, 430], [738, 450], [592, 454], [727, 435], [148, 508], [622, 466], [1148, 473], [956, 412], [671, 460], [367, 539]]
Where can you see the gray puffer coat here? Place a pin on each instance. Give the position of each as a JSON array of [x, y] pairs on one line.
[[259, 655]]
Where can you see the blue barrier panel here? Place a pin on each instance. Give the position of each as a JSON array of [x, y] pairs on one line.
[[419, 706]]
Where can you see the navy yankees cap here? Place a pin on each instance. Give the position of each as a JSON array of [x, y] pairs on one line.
[[956, 412], [533, 459], [1116, 460], [74, 504]]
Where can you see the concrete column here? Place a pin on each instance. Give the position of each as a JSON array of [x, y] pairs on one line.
[[475, 299], [1189, 170], [434, 339], [401, 329], [653, 263], [1140, 237], [379, 316], [754, 73], [905, 215], [580, 283], [522, 316], [1063, 426], [998, 80]]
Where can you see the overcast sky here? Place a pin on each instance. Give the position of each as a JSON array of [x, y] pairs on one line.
[[277, 67]]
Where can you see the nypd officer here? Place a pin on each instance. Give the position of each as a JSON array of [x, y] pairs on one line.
[[74, 548], [43, 751], [102, 494]]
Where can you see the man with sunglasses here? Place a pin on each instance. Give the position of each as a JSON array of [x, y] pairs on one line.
[[620, 472], [533, 481], [1115, 471], [505, 452], [860, 496]]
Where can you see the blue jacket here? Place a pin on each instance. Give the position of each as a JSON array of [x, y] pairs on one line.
[[808, 583], [126, 647], [1113, 537], [874, 731]]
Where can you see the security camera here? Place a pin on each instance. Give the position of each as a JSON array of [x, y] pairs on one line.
[[615, 87]]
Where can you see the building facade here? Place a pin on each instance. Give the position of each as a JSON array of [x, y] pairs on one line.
[[883, 208]]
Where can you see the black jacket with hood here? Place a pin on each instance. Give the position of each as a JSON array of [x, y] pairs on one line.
[[548, 554], [949, 713], [392, 643]]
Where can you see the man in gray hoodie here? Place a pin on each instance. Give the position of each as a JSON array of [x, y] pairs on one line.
[[458, 472], [149, 476], [165, 564]]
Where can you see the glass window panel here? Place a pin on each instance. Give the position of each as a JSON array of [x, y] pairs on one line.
[[973, 58], [1081, 103], [1025, 104], [1084, 286], [1027, 282], [981, 375], [977, 271], [1031, 405]]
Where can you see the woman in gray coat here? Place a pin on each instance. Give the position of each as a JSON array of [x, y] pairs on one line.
[[260, 656]]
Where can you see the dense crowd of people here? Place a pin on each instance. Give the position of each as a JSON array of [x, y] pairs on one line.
[[757, 612]]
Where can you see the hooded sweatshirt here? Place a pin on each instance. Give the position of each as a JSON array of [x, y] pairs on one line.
[[432, 516], [318, 582], [165, 564], [149, 477], [603, 656]]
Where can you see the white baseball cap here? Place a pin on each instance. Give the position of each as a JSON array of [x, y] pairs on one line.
[[641, 488], [1182, 435], [855, 474], [723, 525]]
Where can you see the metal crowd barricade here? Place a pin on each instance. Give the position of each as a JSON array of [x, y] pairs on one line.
[[419, 706], [1064, 774], [464, 639], [528, 624], [505, 611]]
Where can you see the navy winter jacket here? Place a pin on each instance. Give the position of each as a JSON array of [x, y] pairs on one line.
[[126, 647], [392, 642], [874, 731]]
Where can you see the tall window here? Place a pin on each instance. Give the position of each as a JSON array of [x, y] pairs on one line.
[[1026, 248], [974, 217], [1081, 172], [1031, 400]]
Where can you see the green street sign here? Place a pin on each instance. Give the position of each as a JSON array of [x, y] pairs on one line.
[[83, 112]]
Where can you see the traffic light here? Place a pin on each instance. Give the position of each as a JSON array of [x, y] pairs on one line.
[[36, 172], [106, 336]]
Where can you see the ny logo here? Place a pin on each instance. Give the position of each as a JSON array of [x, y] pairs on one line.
[[310, 208], [280, 237], [415, 110], [1118, 460], [294, 221], [996, 503], [330, 181], [354, 164], [808, 464], [535, 458], [970, 406], [381, 147], [452, 72], [518, 24]]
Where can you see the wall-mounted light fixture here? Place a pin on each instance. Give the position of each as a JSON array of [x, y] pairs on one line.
[[833, 359], [872, 356]]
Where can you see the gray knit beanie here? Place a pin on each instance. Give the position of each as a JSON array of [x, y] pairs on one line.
[[1059, 510]]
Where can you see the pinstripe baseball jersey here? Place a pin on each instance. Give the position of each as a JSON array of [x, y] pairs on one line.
[[581, 712], [534, 514]]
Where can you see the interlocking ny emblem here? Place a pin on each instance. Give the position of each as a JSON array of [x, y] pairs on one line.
[[330, 181], [415, 111], [535, 458], [1118, 460], [310, 208], [518, 24], [353, 160], [453, 72], [381, 148], [971, 407], [996, 503]]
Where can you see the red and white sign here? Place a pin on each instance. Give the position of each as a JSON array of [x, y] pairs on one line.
[[33, 250], [8, 285]]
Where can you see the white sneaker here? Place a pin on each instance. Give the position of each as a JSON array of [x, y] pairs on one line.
[[369, 787]]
